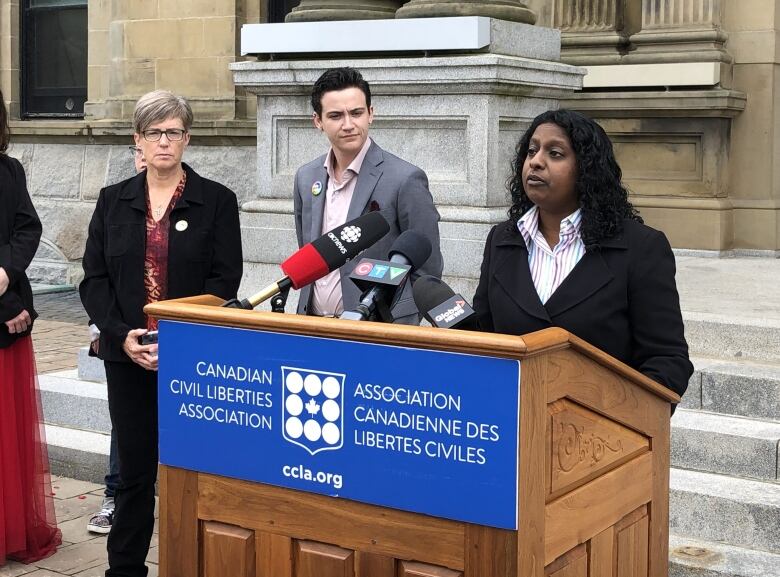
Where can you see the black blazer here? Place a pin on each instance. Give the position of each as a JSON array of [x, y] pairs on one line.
[[204, 258], [20, 233], [621, 297]]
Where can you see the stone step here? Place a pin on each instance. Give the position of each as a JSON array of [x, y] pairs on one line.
[[727, 445], [734, 338], [78, 427], [740, 512], [78, 454], [90, 368], [743, 388], [694, 558], [77, 404]]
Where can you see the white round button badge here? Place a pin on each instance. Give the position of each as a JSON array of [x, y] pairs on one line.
[[182, 225]]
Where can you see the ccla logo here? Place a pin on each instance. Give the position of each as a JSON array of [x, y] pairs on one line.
[[350, 234], [312, 410]]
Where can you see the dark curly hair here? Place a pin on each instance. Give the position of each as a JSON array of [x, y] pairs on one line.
[[600, 192], [338, 79]]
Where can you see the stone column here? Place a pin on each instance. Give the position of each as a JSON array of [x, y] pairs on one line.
[[320, 10], [593, 31], [9, 56], [680, 31], [513, 10], [99, 58]]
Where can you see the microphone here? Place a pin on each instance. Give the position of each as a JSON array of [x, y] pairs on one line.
[[410, 250], [441, 306], [321, 256]]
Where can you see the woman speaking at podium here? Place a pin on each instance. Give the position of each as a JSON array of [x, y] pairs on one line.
[[575, 254], [165, 233]]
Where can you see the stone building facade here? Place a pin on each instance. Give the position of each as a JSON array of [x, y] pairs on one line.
[[686, 88]]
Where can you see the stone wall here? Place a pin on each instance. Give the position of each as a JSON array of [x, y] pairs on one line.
[[701, 157], [180, 45], [65, 179]]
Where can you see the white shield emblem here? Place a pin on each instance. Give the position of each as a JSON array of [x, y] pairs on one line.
[[313, 409]]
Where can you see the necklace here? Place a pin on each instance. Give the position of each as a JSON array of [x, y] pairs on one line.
[[158, 210]]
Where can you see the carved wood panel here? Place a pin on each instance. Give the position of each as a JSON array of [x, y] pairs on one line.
[[352, 525], [601, 553], [319, 560], [274, 555], [572, 564], [281, 556], [228, 550], [373, 565], [583, 444], [413, 569], [632, 549]]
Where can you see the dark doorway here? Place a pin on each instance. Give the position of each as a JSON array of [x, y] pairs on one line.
[[54, 58]]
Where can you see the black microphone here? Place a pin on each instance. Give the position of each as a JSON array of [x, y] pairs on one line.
[[441, 306], [411, 249], [321, 256]]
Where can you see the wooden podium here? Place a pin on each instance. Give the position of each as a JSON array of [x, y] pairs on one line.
[[593, 476]]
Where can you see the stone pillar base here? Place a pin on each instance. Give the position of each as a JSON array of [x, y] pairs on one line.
[[512, 10], [325, 10], [457, 117], [593, 48], [678, 46]]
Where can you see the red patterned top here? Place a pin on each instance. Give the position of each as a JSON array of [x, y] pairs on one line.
[[156, 259]]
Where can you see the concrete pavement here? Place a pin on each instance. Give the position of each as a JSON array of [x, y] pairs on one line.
[[82, 554]]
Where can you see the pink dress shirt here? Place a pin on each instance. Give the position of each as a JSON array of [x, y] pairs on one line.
[[327, 297], [549, 267]]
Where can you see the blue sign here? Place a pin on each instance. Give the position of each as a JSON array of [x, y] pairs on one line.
[[423, 431]]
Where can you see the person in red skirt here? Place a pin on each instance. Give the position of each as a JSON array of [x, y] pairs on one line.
[[28, 530]]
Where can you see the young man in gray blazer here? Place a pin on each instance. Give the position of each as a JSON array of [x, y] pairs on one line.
[[354, 177]]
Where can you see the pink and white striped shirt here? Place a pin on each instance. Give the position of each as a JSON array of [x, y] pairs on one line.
[[549, 267]]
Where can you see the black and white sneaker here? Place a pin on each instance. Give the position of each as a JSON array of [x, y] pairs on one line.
[[101, 521]]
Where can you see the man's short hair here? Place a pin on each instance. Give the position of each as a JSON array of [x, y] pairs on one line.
[[338, 79]]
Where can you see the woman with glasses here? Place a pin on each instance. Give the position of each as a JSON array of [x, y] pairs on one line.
[[165, 233]]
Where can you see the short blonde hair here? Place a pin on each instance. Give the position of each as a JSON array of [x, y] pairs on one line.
[[160, 105]]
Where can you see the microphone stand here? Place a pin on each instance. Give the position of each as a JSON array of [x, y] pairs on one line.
[[277, 291], [279, 301]]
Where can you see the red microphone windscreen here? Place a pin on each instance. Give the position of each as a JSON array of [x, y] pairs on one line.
[[334, 249], [305, 266]]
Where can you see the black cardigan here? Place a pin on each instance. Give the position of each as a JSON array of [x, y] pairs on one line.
[[620, 297], [204, 254], [20, 233]]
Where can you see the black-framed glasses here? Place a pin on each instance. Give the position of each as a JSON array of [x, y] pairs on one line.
[[173, 134], [134, 150]]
